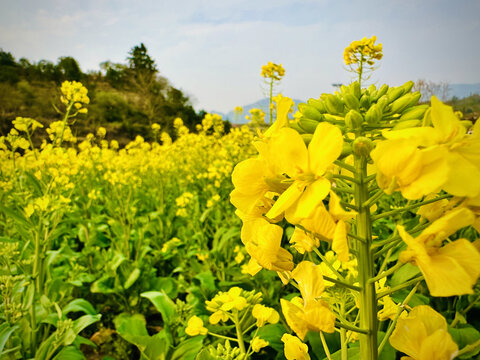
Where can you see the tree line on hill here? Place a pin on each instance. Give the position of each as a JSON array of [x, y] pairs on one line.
[[126, 98]]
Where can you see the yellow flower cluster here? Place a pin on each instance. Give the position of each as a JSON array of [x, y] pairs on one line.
[[74, 93], [363, 50], [273, 71]]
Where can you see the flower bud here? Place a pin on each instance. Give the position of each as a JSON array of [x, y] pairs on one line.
[[362, 146], [353, 120]]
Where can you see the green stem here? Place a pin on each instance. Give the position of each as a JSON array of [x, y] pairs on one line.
[[341, 283], [222, 336], [64, 124], [373, 199], [366, 265], [325, 346], [394, 322], [240, 341], [344, 166], [271, 100], [356, 329], [386, 273], [409, 207], [469, 348], [418, 279], [337, 274]]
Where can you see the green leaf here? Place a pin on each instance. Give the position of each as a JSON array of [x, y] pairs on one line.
[[69, 353], [104, 285], [205, 355], [5, 332], [84, 321], [167, 284], [273, 334], [162, 303], [15, 215], [464, 336], [187, 350], [207, 280], [388, 352], [405, 273], [79, 305], [352, 354], [134, 275], [35, 183]]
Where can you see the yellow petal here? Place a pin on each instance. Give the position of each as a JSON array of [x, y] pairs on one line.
[[324, 148], [463, 177], [309, 279], [295, 318], [311, 198], [287, 150], [286, 200], [340, 243]]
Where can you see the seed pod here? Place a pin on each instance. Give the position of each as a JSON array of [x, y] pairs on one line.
[[353, 120], [407, 124], [318, 104], [310, 112], [351, 101], [308, 125]]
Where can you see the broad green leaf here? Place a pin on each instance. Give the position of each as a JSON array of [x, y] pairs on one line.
[[5, 332], [69, 353], [84, 321], [273, 334], [187, 350], [405, 273], [464, 336], [134, 275], [162, 303], [78, 305]]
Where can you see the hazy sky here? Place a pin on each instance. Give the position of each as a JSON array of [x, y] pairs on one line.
[[214, 49]]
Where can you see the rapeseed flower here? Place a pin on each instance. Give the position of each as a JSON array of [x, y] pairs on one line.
[[294, 348], [448, 270], [423, 335], [195, 327]]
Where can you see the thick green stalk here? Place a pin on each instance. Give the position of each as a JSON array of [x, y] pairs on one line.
[[366, 266], [271, 101]]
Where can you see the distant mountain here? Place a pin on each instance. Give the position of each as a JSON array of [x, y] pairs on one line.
[[459, 91], [260, 104]]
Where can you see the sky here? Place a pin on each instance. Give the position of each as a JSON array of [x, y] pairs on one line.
[[213, 50]]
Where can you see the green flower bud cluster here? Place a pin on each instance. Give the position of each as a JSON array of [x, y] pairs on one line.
[[354, 109], [222, 352]]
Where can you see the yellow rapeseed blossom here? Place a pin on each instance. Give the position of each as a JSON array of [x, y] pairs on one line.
[[294, 348], [258, 343], [448, 270], [363, 50], [423, 160], [423, 335], [264, 314], [273, 71], [73, 92], [195, 327]]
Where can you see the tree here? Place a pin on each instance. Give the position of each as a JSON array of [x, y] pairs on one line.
[[139, 60], [69, 68]]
